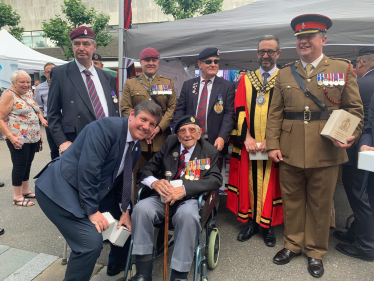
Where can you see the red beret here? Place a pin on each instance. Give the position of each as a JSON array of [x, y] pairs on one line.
[[148, 53], [82, 32]]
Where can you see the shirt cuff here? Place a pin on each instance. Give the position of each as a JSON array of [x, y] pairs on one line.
[[148, 181]]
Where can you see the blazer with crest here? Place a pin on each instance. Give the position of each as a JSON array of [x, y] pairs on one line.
[[79, 179], [69, 104], [165, 161], [301, 144], [219, 124]]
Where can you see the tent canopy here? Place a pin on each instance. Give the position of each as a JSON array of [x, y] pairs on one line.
[[236, 32], [28, 59]]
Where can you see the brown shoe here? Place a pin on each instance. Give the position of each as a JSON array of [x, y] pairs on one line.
[[284, 256]]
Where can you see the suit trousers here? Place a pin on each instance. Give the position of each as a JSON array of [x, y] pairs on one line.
[[82, 237], [52, 145], [362, 227], [185, 219], [370, 191], [307, 195]]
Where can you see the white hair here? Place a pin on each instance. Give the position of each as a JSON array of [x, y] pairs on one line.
[[14, 76]]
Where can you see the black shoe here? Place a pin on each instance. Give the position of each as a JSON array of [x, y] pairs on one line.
[[315, 267], [138, 277], [1, 184], [353, 251], [247, 232], [269, 237], [2, 231], [115, 269], [343, 236], [284, 256], [178, 279]]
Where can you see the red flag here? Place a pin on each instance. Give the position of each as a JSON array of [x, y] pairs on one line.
[[128, 14]]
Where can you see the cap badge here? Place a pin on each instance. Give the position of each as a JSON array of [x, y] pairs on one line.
[[217, 52], [85, 32], [96, 57], [303, 25], [192, 119]]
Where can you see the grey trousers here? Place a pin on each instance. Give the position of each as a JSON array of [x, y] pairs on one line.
[[185, 219]]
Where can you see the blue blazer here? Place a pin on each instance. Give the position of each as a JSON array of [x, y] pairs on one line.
[[79, 179], [368, 131]]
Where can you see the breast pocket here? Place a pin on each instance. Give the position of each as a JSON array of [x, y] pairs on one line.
[[291, 94], [137, 96], [333, 95]]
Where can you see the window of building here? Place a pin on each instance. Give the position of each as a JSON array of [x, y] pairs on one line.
[[35, 39]]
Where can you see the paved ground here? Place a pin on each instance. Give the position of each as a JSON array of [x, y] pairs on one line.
[[31, 246]]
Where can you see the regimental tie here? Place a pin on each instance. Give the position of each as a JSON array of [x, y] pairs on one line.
[[266, 76], [99, 111], [201, 109], [308, 69], [181, 164], [127, 176]]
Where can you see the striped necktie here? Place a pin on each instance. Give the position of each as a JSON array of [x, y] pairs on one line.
[[181, 164], [99, 111], [201, 109], [127, 178]]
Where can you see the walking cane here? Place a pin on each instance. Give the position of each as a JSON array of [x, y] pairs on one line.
[[149, 152], [166, 234]]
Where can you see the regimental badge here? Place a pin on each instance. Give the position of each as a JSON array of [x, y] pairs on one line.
[[217, 52], [344, 126], [218, 108], [85, 32], [303, 25], [192, 119], [96, 57], [175, 155]]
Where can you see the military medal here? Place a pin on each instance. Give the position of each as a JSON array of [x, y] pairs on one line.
[[198, 164], [220, 99], [114, 97], [202, 164], [336, 82], [175, 155], [197, 175], [194, 165], [194, 86], [325, 79], [320, 79], [218, 108], [207, 166], [186, 171], [191, 176], [341, 79], [331, 79]]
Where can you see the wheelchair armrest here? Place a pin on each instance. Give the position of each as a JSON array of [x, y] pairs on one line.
[[202, 196], [206, 210], [141, 187]]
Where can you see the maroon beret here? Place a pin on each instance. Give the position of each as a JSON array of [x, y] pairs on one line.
[[148, 53], [82, 32]]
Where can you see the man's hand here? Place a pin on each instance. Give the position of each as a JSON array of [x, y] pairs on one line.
[[64, 146], [175, 194], [162, 187], [219, 143], [154, 133], [366, 148], [275, 155], [99, 221], [125, 220], [250, 145], [44, 122], [350, 141], [262, 147]]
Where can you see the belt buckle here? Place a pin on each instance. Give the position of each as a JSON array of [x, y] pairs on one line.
[[307, 115]]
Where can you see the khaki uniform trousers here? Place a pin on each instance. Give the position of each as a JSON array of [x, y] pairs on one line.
[[307, 196]]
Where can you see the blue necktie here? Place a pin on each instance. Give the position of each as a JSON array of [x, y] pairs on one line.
[[127, 178]]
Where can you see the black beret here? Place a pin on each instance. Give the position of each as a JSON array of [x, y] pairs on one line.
[[208, 52], [185, 120], [96, 57], [369, 50], [82, 32], [310, 23]]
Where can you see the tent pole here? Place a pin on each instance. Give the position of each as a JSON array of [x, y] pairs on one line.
[[121, 29]]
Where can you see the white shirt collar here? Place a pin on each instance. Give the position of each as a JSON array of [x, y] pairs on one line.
[[190, 151], [314, 63], [129, 137], [271, 71], [211, 79], [368, 72], [81, 67]]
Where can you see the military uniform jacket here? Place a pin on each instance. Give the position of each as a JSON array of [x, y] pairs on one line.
[[134, 93], [301, 144]]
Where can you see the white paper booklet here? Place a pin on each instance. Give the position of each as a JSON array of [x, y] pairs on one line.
[[117, 237], [259, 155]]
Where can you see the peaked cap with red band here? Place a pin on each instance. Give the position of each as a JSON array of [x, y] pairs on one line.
[[310, 23]]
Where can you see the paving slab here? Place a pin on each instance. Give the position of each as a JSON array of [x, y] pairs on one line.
[[3, 249], [13, 259], [33, 268]]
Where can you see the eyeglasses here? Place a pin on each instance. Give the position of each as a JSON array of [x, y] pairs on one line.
[[184, 130], [355, 62], [210, 61], [269, 52], [47, 72]]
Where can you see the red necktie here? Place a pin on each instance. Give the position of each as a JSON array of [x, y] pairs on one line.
[[99, 111], [181, 164], [201, 109]]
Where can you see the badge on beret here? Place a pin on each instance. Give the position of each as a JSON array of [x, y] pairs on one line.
[[85, 32], [192, 119], [217, 52], [303, 25], [95, 56]]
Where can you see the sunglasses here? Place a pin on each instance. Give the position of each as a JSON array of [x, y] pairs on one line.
[[211, 61]]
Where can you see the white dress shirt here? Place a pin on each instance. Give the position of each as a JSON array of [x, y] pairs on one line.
[[271, 72], [314, 63], [209, 88], [96, 80]]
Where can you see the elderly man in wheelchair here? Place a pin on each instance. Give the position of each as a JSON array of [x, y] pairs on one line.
[[194, 161]]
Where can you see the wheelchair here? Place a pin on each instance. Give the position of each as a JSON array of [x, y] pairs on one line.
[[206, 255]]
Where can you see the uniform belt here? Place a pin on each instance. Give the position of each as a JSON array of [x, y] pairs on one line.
[[307, 115]]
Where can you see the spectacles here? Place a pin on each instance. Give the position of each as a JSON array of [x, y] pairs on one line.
[[47, 72], [269, 52], [355, 62], [210, 61], [184, 130]]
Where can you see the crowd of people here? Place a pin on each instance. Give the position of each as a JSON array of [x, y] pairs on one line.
[[280, 112]]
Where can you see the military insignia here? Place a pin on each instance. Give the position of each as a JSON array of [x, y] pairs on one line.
[[220, 99], [325, 79], [175, 154], [320, 79], [218, 108], [194, 86], [85, 32], [344, 126], [217, 52], [96, 57], [341, 79], [303, 25], [192, 119], [114, 97], [207, 166], [336, 82]]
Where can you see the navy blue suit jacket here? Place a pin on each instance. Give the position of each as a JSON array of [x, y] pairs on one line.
[[367, 137], [79, 179], [219, 124], [69, 104]]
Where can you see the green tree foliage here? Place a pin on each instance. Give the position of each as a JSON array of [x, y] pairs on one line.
[[10, 19], [76, 14], [183, 9]]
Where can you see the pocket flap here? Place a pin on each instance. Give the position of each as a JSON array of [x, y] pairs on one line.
[[287, 126]]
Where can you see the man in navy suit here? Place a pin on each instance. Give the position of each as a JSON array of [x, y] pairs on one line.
[[89, 179], [79, 92]]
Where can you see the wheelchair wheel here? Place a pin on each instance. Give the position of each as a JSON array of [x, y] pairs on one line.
[[213, 248]]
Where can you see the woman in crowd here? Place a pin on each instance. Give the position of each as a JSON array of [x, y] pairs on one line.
[[19, 123]]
